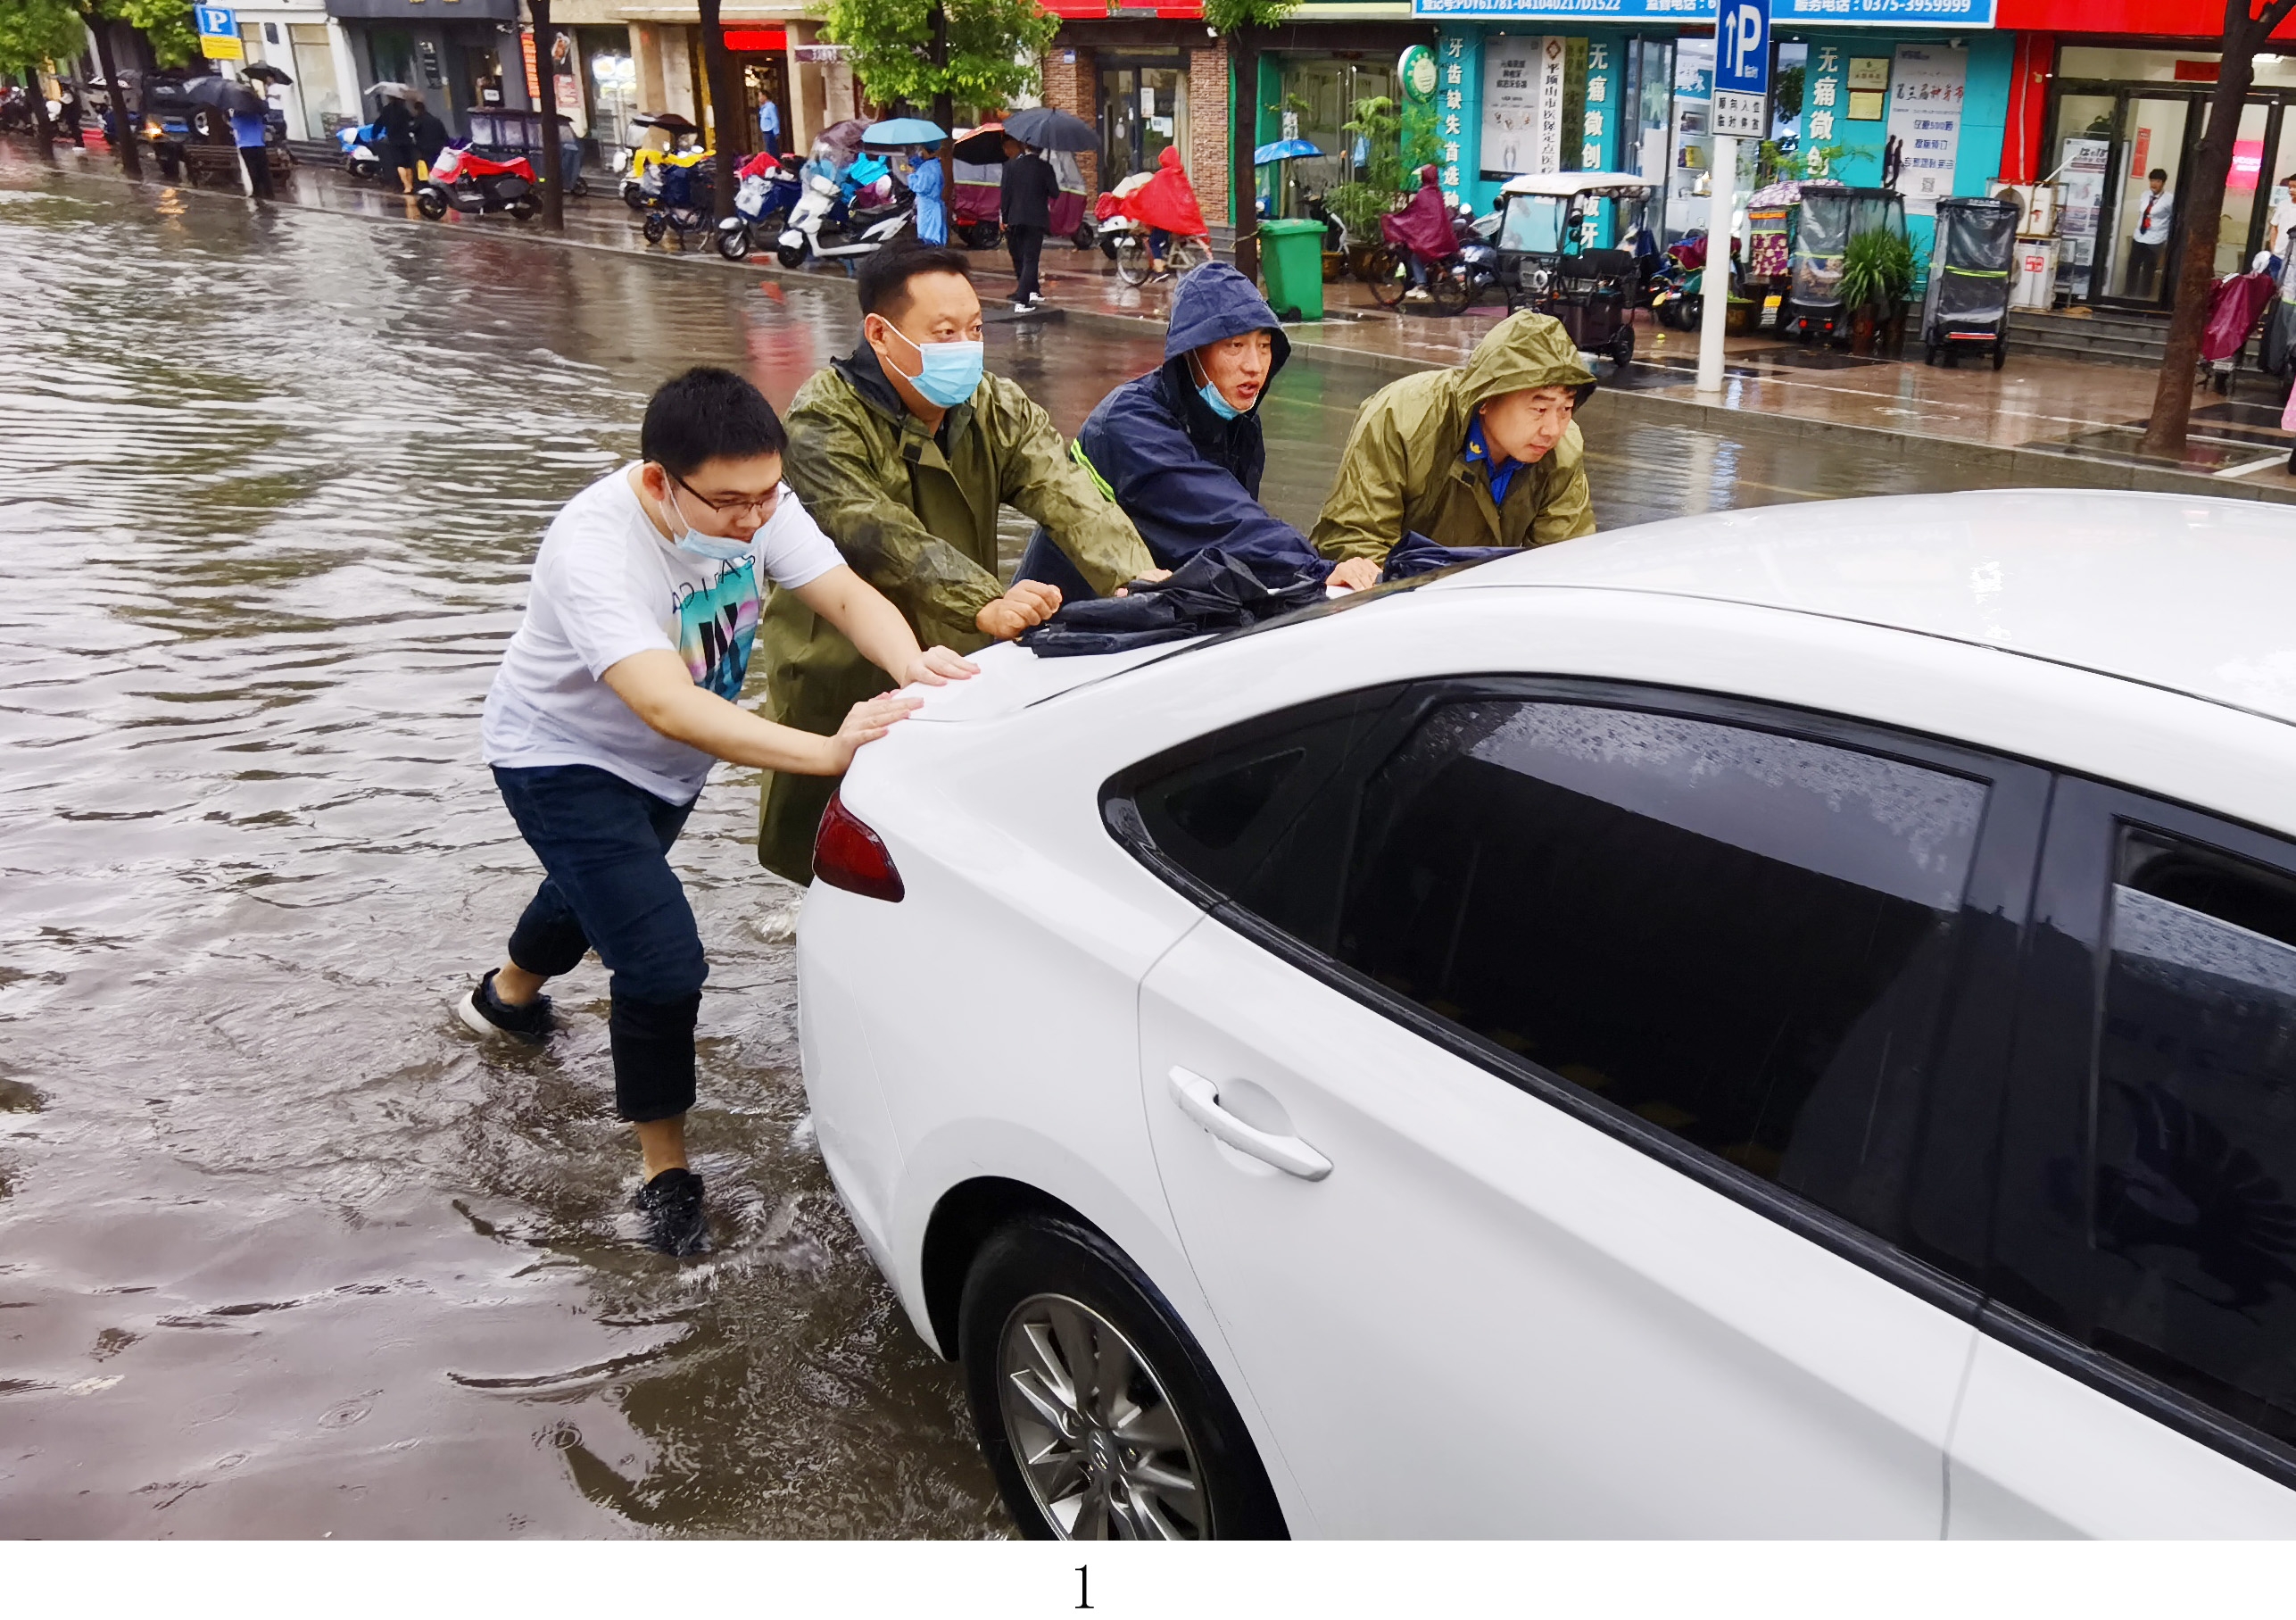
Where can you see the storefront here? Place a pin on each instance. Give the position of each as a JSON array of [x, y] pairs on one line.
[[1868, 103], [1314, 74], [296, 36], [1146, 78], [2123, 122], [451, 62]]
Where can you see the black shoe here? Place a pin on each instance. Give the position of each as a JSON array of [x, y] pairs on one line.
[[489, 1015], [672, 1205]]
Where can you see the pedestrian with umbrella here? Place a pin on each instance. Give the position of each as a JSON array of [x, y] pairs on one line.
[[245, 110], [394, 122], [1024, 198], [925, 177]]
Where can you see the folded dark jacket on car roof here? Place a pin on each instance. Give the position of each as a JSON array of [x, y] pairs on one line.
[[1209, 593]]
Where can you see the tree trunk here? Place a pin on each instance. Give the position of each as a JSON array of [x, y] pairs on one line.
[[546, 102], [1243, 184], [35, 96], [725, 102], [123, 126], [2202, 205], [944, 113]]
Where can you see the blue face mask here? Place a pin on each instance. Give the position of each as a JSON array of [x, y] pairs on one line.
[[951, 371], [693, 542], [1209, 393]]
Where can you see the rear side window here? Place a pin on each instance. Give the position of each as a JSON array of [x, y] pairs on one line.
[[2192, 1186], [1742, 938]]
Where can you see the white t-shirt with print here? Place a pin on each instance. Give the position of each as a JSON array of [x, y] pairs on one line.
[[605, 585]]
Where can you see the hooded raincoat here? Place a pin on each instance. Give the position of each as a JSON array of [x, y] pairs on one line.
[[1423, 224], [915, 513], [1187, 477], [1405, 470], [1168, 201], [931, 214]]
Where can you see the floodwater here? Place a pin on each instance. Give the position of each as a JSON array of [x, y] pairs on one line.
[[284, 1251]]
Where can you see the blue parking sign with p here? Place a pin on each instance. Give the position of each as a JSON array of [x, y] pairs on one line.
[[1742, 46], [216, 19]]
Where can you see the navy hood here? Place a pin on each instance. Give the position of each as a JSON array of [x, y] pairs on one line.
[[1214, 301]]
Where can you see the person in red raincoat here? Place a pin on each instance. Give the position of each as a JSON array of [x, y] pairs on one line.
[[1167, 206], [1421, 228]]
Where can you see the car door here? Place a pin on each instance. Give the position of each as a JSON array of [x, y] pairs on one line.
[[1576, 1104], [2137, 1375]]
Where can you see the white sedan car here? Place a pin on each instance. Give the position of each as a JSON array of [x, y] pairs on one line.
[[1781, 1022]]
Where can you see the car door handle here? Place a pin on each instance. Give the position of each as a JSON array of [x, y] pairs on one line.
[[1199, 1099]]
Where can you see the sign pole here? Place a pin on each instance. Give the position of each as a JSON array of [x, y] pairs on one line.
[[1714, 325], [1740, 107]]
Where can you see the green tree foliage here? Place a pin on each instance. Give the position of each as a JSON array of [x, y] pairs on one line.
[[992, 47], [38, 31], [1228, 15], [166, 24], [33, 32], [1396, 146]]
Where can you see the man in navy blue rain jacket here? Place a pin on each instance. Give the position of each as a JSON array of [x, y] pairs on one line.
[[1179, 449]]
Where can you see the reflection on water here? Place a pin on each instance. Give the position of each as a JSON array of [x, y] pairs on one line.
[[282, 1250]]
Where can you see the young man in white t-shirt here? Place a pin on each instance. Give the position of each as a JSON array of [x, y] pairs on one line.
[[616, 697]]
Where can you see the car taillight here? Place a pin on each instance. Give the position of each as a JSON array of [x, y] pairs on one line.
[[847, 855]]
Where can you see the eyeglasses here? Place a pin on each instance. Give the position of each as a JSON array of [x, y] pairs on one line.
[[763, 505]]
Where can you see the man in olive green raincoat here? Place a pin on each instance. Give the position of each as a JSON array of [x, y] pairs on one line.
[[902, 452], [1482, 455]]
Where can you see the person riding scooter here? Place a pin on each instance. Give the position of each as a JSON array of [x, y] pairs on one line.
[[1181, 449], [1421, 231]]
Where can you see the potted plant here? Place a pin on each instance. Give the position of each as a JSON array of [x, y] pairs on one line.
[[1876, 273]]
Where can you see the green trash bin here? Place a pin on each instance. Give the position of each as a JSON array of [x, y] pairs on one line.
[[1291, 261]]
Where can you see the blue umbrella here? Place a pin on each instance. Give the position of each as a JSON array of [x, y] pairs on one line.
[[903, 132], [1275, 151]]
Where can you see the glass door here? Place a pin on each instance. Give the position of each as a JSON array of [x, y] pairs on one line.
[[2144, 236], [1143, 110], [2248, 189]]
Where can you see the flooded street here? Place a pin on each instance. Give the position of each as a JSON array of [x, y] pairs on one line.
[[283, 1251]]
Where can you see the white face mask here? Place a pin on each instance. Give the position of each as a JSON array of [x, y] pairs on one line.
[[695, 544]]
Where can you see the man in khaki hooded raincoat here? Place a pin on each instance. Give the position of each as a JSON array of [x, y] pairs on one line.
[[902, 452], [1482, 455]]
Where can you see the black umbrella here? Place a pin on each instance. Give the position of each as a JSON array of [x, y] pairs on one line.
[[1050, 129], [265, 71], [225, 96]]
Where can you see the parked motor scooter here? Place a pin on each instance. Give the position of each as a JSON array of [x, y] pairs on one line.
[[356, 143], [1477, 267], [768, 186], [812, 215], [466, 183]]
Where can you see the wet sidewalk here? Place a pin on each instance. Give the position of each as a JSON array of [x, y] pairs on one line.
[[2035, 405]]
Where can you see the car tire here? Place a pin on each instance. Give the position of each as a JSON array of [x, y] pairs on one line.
[[1167, 1456]]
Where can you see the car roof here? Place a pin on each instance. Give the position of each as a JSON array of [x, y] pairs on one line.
[[2193, 594], [1610, 182]]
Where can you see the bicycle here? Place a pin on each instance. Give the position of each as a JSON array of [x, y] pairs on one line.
[[1134, 266]]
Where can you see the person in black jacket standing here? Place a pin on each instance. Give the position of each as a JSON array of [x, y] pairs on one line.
[[395, 122], [429, 133], [1024, 198]]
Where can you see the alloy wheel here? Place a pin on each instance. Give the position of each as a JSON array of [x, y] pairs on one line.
[[1102, 1449]]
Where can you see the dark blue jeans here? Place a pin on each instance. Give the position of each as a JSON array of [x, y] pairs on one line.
[[605, 844]]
